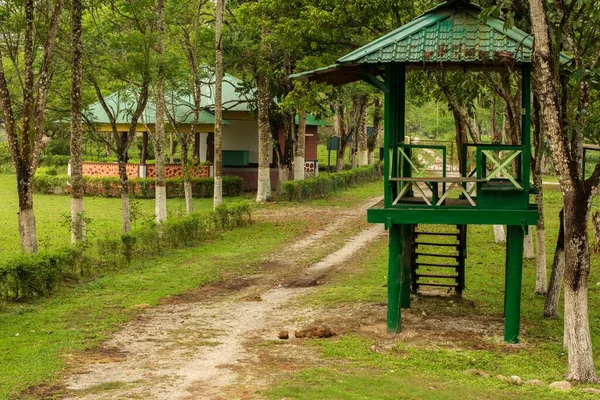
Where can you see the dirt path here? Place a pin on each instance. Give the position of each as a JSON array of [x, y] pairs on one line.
[[203, 345]]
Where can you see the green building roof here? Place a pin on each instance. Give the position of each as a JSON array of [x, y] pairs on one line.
[[452, 33], [235, 98], [122, 105]]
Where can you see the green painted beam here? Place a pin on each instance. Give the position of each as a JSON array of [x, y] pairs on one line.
[[372, 80], [453, 216], [514, 273]]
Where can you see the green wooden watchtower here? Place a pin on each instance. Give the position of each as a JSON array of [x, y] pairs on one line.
[[494, 187]]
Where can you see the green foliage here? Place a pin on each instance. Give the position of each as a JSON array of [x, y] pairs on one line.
[[325, 184], [28, 276], [54, 160], [46, 182], [58, 147]]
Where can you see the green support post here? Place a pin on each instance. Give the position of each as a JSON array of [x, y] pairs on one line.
[[394, 123], [514, 269], [394, 318]]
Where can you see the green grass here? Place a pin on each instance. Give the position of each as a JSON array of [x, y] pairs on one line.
[[322, 156], [411, 369], [52, 213], [38, 336]]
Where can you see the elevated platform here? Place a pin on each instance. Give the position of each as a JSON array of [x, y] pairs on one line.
[[454, 212]]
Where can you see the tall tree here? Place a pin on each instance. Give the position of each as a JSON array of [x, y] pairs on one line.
[[160, 191], [567, 157], [24, 103], [76, 142], [124, 70], [218, 164]]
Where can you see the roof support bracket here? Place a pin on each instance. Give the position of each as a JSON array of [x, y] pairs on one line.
[[373, 81]]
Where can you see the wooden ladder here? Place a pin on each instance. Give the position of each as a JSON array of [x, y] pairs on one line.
[[438, 257]]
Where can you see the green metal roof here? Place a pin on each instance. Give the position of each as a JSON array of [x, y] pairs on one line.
[[311, 120], [452, 32], [122, 105]]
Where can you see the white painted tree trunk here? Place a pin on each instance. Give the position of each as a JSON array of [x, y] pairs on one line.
[[300, 147], [189, 203], [371, 158], [298, 168], [364, 158], [125, 212], [528, 252], [77, 220], [161, 204], [353, 158], [499, 235], [263, 192], [578, 343], [27, 230]]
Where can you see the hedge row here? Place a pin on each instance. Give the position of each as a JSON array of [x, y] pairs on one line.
[[34, 275], [324, 184], [48, 183]]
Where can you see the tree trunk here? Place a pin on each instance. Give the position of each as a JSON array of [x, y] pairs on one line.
[[374, 139], [160, 192], [300, 146], [557, 273], [218, 143], [76, 142], [528, 245], [263, 192], [576, 196], [363, 148], [26, 138], [27, 229], [596, 226], [187, 183], [499, 236], [171, 148], [577, 269], [125, 211], [340, 132]]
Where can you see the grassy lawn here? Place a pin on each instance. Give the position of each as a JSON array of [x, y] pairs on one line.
[[37, 337], [416, 369], [322, 155], [53, 213]]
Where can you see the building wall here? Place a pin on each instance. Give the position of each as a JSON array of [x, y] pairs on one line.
[[242, 135]]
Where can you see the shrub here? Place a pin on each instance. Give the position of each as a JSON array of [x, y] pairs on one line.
[[54, 161], [32, 275], [46, 181], [324, 184], [58, 146]]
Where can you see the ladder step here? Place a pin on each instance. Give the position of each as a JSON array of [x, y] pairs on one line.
[[434, 265], [437, 255], [438, 233], [436, 276], [438, 244], [437, 284]]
